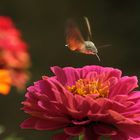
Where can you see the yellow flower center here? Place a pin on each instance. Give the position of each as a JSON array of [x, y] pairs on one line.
[[84, 87]]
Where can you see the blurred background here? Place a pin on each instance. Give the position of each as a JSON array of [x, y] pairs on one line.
[[42, 23]]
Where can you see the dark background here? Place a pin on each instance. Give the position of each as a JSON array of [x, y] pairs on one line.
[[115, 22]]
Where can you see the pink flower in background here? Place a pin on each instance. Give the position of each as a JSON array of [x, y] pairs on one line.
[[94, 101], [13, 52]]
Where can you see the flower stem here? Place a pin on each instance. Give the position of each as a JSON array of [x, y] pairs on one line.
[[81, 137]]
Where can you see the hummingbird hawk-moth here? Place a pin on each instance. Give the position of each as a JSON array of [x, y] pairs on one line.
[[75, 40]]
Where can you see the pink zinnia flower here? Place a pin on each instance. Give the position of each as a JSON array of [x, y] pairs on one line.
[[94, 101], [13, 52]]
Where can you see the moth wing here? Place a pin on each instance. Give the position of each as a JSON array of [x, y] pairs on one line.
[[88, 28], [74, 38]]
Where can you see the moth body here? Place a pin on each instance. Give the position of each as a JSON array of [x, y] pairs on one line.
[[90, 48]]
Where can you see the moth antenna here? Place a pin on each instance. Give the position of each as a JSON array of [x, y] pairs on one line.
[[104, 46]]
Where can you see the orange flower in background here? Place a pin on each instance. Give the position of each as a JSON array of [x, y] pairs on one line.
[[14, 56], [5, 82]]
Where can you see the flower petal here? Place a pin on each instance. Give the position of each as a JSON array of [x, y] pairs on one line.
[[104, 130], [74, 131], [39, 124], [66, 76], [28, 123], [132, 129], [89, 134], [124, 86], [120, 136]]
